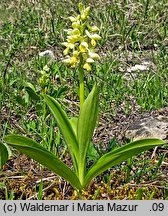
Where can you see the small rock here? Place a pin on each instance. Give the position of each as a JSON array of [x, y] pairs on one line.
[[149, 127], [47, 53], [135, 71], [138, 67]]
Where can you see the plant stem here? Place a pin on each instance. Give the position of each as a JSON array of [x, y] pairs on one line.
[[80, 195], [81, 98], [81, 81], [81, 170]]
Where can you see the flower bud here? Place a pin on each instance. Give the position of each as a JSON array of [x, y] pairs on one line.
[[89, 60], [94, 28], [95, 37], [94, 56], [74, 19], [93, 42], [85, 13], [80, 7]]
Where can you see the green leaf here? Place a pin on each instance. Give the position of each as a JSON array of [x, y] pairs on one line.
[[3, 155], [119, 155], [86, 125], [31, 91], [74, 123], [64, 125], [40, 154]]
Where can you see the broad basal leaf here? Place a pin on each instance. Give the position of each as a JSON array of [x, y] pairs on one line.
[[64, 125], [74, 122], [44, 157], [119, 155], [86, 124]]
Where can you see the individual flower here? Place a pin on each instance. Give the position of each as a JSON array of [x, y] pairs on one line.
[[83, 47], [81, 41], [87, 66], [71, 61]]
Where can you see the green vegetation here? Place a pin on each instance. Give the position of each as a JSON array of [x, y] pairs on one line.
[[132, 33]]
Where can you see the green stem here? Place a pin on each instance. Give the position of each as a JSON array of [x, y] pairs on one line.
[[81, 85], [81, 166], [81, 171], [80, 195]]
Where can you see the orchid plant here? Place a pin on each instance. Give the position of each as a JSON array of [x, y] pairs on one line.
[[80, 52]]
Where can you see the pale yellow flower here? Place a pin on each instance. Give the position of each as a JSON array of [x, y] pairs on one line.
[[74, 19], [71, 61], [87, 66], [75, 53], [76, 24], [89, 60], [94, 28], [93, 42], [94, 56], [83, 47], [93, 36]]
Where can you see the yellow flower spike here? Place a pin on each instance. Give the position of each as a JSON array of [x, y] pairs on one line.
[[81, 41], [87, 66], [83, 47], [73, 60], [72, 18]]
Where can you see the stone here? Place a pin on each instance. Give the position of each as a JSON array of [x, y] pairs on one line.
[[148, 127], [135, 72], [47, 53]]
